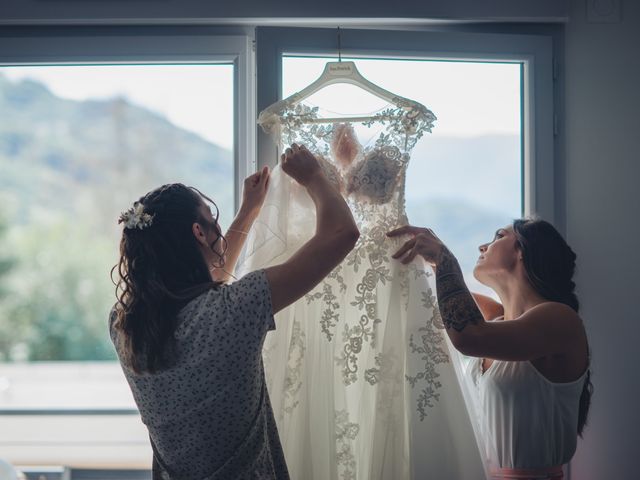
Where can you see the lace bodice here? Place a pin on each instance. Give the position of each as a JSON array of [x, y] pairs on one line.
[[368, 176]]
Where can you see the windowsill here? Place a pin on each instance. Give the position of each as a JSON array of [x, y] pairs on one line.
[[67, 411], [66, 473], [64, 388]]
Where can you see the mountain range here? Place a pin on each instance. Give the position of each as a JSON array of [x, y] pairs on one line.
[[97, 156]]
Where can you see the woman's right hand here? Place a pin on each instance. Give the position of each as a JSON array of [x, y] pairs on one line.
[[300, 164], [335, 236]]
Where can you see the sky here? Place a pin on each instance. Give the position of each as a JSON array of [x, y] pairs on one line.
[[468, 98], [195, 97]]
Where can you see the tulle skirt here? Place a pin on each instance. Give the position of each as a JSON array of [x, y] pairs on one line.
[[361, 375]]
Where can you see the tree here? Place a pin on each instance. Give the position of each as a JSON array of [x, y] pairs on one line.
[[60, 295], [7, 264]]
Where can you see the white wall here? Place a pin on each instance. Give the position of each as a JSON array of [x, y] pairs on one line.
[[602, 108]]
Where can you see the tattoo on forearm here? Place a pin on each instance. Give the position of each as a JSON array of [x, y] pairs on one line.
[[457, 307]]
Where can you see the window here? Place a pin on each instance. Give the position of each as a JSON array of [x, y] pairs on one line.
[[461, 180], [63, 399], [83, 135], [532, 52], [455, 74], [464, 180], [79, 144]]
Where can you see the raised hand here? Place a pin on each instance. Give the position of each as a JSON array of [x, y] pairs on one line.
[[300, 164], [423, 242], [255, 191]]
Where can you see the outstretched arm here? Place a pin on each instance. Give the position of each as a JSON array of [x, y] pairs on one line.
[[543, 330]]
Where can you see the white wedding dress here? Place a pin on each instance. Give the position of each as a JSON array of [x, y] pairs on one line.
[[359, 369]]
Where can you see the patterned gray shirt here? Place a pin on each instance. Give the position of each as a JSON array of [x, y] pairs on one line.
[[209, 415]]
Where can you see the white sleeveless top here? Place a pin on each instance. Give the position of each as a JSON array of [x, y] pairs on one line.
[[526, 420]]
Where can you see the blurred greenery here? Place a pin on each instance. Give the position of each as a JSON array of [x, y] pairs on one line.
[[57, 294], [7, 262], [67, 169]]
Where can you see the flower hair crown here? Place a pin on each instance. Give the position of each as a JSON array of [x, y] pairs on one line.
[[135, 217]]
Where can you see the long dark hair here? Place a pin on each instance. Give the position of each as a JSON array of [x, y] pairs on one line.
[[161, 269], [550, 264]]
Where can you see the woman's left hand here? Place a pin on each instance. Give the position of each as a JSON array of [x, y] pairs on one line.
[[254, 192], [424, 243]]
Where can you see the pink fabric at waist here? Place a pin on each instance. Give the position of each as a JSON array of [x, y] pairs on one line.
[[549, 473]]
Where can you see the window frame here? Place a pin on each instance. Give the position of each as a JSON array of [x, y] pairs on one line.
[[534, 52], [113, 47], [252, 147], [44, 46]]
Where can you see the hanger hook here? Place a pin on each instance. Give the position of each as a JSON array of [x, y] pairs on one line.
[[339, 47]]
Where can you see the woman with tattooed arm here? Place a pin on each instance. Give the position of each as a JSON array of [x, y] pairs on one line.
[[532, 367]]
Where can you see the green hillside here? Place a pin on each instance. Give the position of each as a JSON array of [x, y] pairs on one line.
[[104, 154], [67, 169]]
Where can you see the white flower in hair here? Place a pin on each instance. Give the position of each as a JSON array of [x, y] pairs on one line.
[[135, 217]]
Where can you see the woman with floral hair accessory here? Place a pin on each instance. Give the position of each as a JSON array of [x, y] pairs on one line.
[[190, 343]]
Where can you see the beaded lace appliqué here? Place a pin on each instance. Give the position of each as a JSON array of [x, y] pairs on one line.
[[372, 180]]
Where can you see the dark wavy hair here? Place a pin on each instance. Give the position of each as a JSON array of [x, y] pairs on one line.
[[161, 269], [550, 264]]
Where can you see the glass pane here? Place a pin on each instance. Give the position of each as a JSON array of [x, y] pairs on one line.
[[465, 179], [78, 145]]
